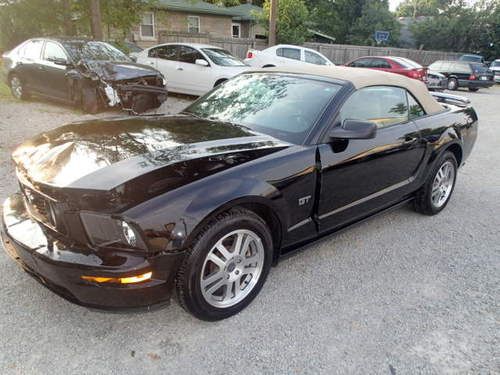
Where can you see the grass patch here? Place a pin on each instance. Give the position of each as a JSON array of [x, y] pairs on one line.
[[4, 89]]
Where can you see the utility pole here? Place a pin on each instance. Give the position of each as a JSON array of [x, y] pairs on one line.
[[95, 20], [273, 15]]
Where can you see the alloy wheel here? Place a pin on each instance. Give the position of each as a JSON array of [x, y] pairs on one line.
[[232, 268], [16, 87], [443, 184]]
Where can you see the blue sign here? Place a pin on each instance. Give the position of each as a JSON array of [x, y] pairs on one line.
[[382, 36]]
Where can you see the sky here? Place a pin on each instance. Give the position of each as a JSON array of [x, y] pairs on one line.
[[393, 4]]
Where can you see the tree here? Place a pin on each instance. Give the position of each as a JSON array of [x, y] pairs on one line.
[[292, 23], [375, 15], [417, 8]]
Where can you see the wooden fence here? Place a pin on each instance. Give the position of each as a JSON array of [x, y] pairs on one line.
[[338, 53]]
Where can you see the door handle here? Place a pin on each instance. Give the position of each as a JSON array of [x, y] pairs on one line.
[[180, 68], [410, 140]]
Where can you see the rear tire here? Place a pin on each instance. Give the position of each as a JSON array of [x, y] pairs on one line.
[[17, 88], [473, 89], [452, 84], [226, 265], [436, 192]]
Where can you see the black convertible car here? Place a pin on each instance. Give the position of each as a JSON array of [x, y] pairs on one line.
[[121, 212], [86, 73]]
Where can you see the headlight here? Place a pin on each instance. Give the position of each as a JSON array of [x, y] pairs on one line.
[[104, 230]]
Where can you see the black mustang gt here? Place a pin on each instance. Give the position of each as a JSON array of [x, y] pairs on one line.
[[119, 212]]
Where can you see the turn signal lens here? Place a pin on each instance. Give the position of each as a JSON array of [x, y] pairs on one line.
[[119, 280]]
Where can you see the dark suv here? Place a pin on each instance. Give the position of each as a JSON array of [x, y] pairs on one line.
[[464, 74]]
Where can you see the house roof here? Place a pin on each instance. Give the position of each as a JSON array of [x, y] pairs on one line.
[[246, 12], [196, 6]]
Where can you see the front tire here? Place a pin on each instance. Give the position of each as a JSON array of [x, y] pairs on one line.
[[433, 197], [17, 88], [226, 266]]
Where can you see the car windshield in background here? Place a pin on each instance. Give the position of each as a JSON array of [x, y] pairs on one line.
[[94, 51], [283, 106], [406, 63], [222, 57]]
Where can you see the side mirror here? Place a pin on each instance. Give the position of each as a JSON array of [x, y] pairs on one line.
[[201, 62], [60, 61], [354, 129]]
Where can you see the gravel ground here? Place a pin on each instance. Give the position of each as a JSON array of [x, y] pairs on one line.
[[399, 294]]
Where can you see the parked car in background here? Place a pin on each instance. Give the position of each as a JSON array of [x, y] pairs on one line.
[[436, 81], [472, 58], [121, 213], [464, 74], [285, 55], [82, 72], [392, 64], [192, 68], [495, 68]]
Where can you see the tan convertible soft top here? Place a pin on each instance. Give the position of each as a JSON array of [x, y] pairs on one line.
[[362, 77]]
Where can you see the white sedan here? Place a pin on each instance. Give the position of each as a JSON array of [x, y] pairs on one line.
[[285, 55], [192, 69]]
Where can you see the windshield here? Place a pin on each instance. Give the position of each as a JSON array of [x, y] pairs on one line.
[[82, 50], [283, 106], [222, 57]]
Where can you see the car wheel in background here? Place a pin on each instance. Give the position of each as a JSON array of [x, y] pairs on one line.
[[226, 265], [452, 84], [269, 66], [473, 89], [17, 88], [436, 192]]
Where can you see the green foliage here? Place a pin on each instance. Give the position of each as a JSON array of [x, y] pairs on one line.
[[462, 28], [292, 22], [23, 19], [417, 8], [375, 15]]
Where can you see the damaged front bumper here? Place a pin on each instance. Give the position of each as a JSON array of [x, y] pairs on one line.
[[63, 268], [135, 98]]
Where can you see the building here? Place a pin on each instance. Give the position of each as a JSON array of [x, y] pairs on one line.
[[193, 18]]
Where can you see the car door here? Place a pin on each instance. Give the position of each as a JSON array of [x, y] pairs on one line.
[[359, 177], [164, 58], [54, 66], [378, 63], [196, 79], [29, 67]]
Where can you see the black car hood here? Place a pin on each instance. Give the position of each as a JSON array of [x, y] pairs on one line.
[[103, 154], [117, 71]]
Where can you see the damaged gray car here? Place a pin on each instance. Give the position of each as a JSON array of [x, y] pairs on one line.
[[85, 73]]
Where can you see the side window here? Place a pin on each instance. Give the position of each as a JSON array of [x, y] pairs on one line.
[[289, 53], [380, 63], [53, 51], [164, 52], [415, 109], [33, 49], [361, 63], [383, 105], [189, 55], [314, 58]]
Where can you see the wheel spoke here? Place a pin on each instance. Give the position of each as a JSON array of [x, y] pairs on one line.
[[237, 287], [238, 243], [215, 259], [228, 292], [222, 249], [215, 287], [212, 278]]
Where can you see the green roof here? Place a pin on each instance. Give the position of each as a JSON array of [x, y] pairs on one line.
[[246, 12], [196, 6]]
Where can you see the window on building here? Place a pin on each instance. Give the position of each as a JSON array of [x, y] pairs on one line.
[[236, 31], [148, 25], [193, 24]]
